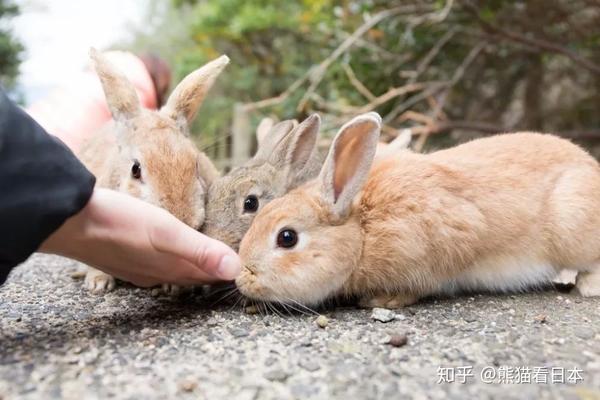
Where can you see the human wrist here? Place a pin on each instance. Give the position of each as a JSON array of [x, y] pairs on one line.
[[70, 238]]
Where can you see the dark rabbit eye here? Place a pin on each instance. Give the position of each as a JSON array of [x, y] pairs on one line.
[[287, 238], [136, 169], [251, 204]]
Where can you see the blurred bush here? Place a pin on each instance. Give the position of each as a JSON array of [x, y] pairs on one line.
[[455, 69], [10, 47]]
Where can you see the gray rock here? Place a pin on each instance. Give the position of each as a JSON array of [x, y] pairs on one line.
[[309, 365], [383, 315], [238, 332], [277, 375]]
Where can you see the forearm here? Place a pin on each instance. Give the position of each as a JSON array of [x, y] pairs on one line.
[[41, 185]]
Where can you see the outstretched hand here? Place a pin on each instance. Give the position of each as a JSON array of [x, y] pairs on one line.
[[140, 243]]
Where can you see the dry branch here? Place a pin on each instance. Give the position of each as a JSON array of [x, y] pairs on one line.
[[358, 85], [432, 53], [318, 72], [532, 41]]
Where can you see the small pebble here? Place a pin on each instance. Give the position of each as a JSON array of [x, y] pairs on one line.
[[276, 375], [238, 332], [155, 292], [309, 365], [188, 385], [542, 319], [322, 321], [398, 340], [383, 315], [270, 361]]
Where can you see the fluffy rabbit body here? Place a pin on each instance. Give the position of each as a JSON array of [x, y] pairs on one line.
[[148, 154], [503, 213]]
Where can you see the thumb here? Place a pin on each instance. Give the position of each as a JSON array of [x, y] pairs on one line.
[[211, 256]]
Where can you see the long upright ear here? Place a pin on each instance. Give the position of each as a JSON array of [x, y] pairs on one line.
[[263, 129], [274, 141], [348, 162], [300, 145], [187, 97], [402, 141], [121, 97]]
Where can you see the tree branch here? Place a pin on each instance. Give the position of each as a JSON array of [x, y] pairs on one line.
[[532, 42], [318, 72]]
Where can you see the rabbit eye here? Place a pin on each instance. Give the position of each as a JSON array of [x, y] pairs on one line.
[[136, 169], [251, 204], [287, 238]]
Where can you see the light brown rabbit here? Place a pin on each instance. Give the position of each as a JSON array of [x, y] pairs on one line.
[[286, 157], [497, 214], [148, 154]]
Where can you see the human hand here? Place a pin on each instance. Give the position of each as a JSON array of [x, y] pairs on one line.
[[140, 243]]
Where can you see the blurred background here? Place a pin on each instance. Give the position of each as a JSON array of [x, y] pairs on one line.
[[449, 70]]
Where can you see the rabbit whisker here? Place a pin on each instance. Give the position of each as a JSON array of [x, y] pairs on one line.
[[227, 295], [304, 307]]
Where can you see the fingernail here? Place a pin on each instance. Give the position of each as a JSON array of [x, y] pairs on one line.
[[229, 268]]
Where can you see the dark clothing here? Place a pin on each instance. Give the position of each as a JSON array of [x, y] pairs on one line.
[[42, 184]]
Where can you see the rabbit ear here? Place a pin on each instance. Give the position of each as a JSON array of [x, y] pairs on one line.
[[274, 141], [263, 129], [402, 141], [120, 93], [289, 146], [301, 144], [184, 102], [347, 165]]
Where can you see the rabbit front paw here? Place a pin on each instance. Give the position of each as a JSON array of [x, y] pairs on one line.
[[588, 283], [98, 282], [391, 301]]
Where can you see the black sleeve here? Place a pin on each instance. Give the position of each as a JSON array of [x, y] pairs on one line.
[[42, 184]]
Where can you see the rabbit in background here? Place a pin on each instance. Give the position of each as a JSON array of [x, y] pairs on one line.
[[503, 213], [148, 154]]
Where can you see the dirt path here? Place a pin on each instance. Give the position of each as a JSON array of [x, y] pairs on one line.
[[57, 341]]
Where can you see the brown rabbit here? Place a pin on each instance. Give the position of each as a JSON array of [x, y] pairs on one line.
[[148, 154], [286, 158], [503, 213]]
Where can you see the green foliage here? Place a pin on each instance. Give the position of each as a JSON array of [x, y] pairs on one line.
[[273, 43], [10, 47]]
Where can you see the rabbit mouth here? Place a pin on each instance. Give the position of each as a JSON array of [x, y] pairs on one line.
[[248, 285]]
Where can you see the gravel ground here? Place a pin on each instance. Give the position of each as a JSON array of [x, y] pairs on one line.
[[57, 341]]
